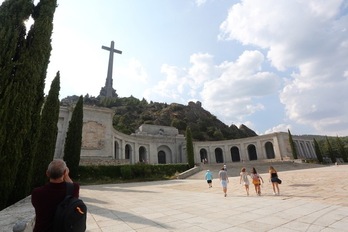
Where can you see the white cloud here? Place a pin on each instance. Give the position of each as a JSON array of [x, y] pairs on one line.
[[228, 90], [133, 71], [309, 37], [279, 128]]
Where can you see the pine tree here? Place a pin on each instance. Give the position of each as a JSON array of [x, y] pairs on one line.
[[318, 151], [23, 62], [48, 134], [189, 148], [292, 145], [73, 141]]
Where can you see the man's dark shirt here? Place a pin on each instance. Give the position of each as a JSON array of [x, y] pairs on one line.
[[45, 200]]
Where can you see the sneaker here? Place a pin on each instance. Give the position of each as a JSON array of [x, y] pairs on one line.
[[274, 193]]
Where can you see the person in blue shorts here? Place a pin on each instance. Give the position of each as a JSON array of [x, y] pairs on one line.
[[224, 180]]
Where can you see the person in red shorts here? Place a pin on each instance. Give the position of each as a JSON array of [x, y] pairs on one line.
[[46, 198]]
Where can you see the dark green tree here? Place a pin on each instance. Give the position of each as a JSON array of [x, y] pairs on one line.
[[73, 141], [292, 145], [341, 149], [318, 151], [48, 134], [23, 63], [189, 148], [330, 150]]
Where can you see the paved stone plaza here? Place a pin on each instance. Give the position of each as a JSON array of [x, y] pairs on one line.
[[311, 200]]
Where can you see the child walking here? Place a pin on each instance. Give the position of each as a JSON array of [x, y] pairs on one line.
[[244, 178]]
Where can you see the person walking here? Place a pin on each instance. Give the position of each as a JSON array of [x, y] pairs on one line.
[[224, 180], [256, 181], [273, 177], [209, 177], [244, 177]]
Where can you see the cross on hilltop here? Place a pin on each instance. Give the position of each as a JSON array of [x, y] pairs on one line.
[[108, 90]]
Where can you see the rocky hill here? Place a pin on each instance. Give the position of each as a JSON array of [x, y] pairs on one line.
[[131, 112]]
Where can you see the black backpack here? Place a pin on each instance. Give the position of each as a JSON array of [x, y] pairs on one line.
[[71, 213]]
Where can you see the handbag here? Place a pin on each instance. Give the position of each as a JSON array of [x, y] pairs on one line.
[[279, 181]]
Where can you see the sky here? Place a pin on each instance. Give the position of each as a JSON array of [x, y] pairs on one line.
[[271, 65]]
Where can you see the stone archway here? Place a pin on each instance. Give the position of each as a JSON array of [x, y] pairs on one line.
[[128, 152], [164, 154], [203, 155], [219, 155], [161, 157], [235, 156], [117, 153], [252, 152], [142, 155], [269, 150]]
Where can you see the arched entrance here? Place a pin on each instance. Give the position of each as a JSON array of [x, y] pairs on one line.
[[203, 155], [235, 154], [128, 151], [252, 152], [161, 157], [269, 150], [219, 155], [117, 150], [164, 154], [142, 155]]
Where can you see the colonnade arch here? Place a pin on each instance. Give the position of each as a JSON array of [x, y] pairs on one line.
[[269, 150], [142, 154], [235, 156], [128, 152], [164, 155], [203, 154], [252, 152], [219, 155]]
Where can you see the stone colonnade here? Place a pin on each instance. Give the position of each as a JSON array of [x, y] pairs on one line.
[[162, 144]]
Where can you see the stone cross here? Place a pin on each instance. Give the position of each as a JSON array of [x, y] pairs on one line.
[[108, 84]]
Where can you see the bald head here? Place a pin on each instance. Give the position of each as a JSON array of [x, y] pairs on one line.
[[56, 169]]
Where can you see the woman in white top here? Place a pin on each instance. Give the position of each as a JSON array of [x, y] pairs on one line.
[[244, 178]]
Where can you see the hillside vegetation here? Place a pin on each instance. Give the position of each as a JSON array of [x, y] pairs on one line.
[[131, 112]]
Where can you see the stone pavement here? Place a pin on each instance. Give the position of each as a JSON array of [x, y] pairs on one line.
[[310, 200]]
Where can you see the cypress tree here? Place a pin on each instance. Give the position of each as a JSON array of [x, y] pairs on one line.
[[292, 145], [48, 134], [189, 148], [330, 150], [341, 149], [73, 141], [23, 63], [318, 151]]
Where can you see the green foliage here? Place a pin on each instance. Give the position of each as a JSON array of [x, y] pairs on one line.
[[330, 151], [73, 141], [130, 113], [189, 148], [318, 151], [342, 151], [126, 172], [292, 145], [121, 173], [48, 134], [24, 58]]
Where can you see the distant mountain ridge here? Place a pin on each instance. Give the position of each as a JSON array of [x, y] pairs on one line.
[[130, 113]]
